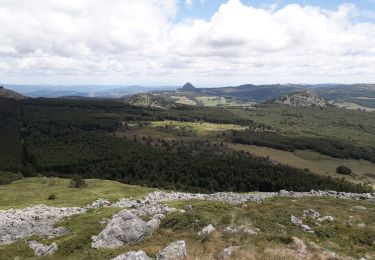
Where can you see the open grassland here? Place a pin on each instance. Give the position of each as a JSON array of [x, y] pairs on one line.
[[272, 217], [363, 171], [184, 100], [349, 105], [179, 130], [32, 191], [202, 129]]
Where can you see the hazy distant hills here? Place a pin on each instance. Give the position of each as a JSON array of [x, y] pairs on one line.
[[88, 91], [350, 96]]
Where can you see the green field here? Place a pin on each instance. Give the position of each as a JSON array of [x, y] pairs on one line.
[[363, 171], [31, 191]]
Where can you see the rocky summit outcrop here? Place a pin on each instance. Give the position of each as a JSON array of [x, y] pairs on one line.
[[133, 255], [7, 93], [174, 251], [125, 228], [149, 100], [304, 98], [37, 220], [41, 249]]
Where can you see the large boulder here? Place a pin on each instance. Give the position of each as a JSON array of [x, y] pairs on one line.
[[174, 251], [43, 250], [125, 228], [133, 255]]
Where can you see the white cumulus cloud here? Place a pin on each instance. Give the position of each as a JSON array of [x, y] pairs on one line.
[[138, 41]]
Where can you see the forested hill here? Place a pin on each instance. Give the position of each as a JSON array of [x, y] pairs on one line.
[[57, 137]]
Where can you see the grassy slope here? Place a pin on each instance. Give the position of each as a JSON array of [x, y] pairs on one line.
[[315, 162], [267, 216], [31, 191]]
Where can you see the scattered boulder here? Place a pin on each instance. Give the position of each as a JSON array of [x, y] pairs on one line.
[[132, 255], [124, 228], [41, 249], [206, 231], [174, 251], [99, 203], [228, 252], [298, 222], [326, 219], [248, 230], [295, 220], [311, 213], [230, 230]]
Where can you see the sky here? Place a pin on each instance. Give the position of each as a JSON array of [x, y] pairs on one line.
[[170, 42]]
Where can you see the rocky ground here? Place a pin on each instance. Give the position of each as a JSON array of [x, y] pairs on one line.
[[128, 227]]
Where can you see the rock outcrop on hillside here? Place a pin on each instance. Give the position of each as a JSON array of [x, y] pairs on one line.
[[302, 99], [7, 93], [37, 220], [149, 100]]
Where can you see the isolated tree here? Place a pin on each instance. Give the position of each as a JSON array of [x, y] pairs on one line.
[[77, 182]]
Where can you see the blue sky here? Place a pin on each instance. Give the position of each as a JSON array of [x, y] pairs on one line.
[[206, 8]]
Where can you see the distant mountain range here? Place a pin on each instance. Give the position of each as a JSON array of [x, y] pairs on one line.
[[350, 96], [89, 91]]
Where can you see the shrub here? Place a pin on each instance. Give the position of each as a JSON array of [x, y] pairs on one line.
[[77, 182], [343, 170], [52, 197]]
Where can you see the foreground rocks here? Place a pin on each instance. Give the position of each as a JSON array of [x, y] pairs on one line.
[[123, 229], [43, 250], [174, 251], [37, 220], [133, 255], [206, 231]]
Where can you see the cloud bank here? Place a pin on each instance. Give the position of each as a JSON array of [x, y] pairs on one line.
[[138, 41]]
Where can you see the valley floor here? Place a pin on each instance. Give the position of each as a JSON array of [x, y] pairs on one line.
[[260, 229]]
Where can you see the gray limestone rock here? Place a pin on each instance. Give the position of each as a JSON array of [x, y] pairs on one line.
[[43, 250], [174, 251], [123, 229], [132, 255]]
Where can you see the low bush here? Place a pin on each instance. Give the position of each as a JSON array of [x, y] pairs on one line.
[[52, 197], [343, 170]]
